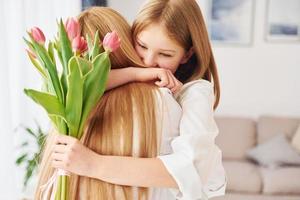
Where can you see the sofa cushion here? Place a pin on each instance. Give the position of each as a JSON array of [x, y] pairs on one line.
[[285, 180], [275, 152], [242, 176], [296, 140], [238, 133], [268, 127]]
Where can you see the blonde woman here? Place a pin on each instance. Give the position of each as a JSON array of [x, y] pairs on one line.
[[191, 165], [126, 123]]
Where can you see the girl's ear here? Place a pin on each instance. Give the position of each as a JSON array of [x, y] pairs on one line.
[[187, 55]]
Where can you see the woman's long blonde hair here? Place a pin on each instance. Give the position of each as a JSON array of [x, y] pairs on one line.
[[184, 23], [110, 127]]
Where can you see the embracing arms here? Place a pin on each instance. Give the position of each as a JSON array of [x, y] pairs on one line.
[[162, 77], [194, 167], [143, 172], [70, 155]]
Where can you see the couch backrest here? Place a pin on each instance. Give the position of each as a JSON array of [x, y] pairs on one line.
[[236, 136], [269, 126]]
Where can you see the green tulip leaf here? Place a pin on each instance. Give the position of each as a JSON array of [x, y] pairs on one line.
[[49, 65], [65, 45], [84, 65], [49, 102], [96, 48], [51, 52], [94, 86], [56, 45], [74, 96], [90, 45], [66, 53]]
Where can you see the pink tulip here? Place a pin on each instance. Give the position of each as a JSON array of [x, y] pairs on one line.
[[38, 35], [111, 41], [31, 54], [79, 44], [72, 28]]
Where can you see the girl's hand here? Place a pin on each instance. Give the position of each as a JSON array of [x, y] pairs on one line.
[[164, 77], [70, 155]]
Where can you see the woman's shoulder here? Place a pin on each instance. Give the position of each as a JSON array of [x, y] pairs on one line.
[[167, 96], [198, 84], [195, 88], [167, 101]]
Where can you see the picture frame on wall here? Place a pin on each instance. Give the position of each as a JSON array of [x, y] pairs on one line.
[[88, 3], [231, 21], [283, 21]]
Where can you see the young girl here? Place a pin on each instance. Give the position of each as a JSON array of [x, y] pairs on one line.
[[169, 34]]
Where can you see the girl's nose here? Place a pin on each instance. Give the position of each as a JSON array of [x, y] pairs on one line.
[[149, 60]]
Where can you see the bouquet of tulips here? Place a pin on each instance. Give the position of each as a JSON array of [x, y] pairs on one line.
[[70, 93]]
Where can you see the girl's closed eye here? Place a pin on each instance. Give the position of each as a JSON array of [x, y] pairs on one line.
[[141, 45], [165, 55]]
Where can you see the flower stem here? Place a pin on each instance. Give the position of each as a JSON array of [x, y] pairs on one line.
[[58, 190], [64, 185]]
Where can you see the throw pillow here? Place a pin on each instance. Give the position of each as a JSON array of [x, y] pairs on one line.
[[296, 140], [275, 152]]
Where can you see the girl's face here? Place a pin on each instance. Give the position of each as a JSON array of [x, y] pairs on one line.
[[157, 49]]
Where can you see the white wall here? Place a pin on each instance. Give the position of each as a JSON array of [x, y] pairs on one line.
[[16, 73], [128, 8], [260, 79]]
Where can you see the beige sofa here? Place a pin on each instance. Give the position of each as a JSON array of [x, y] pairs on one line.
[[247, 180]]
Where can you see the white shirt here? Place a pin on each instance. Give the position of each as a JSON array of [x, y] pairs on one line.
[[188, 149]]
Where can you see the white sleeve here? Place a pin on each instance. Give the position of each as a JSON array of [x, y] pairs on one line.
[[196, 162]]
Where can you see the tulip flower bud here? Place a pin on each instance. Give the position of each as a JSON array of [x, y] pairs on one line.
[[72, 28], [38, 35], [31, 54], [79, 44], [111, 41]]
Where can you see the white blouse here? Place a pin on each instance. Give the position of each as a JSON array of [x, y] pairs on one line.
[[188, 149]]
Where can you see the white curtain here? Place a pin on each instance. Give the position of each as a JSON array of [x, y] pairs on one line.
[[16, 73]]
